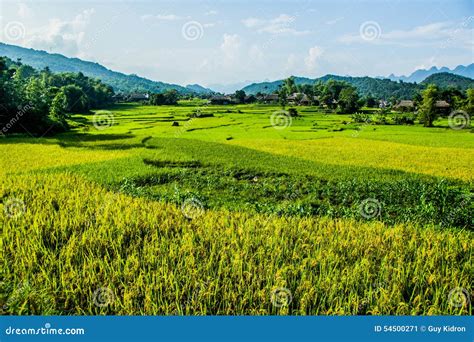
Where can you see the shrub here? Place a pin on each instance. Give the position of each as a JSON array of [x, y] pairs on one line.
[[380, 119], [361, 118], [404, 119], [293, 112]]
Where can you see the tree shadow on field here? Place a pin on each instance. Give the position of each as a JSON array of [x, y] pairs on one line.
[[74, 139], [98, 141]]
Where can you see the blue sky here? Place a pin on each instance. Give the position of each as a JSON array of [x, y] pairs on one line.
[[223, 42]]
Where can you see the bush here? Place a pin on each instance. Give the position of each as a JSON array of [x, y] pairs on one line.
[[292, 112], [380, 119], [361, 118], [404, 119], [198, 114]]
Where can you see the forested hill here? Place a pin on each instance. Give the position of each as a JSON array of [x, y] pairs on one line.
[[40, 102], [119, 81], [378, 88], [446, 79]]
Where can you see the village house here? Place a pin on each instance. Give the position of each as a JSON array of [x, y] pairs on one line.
[[118, 97], [221, 100], [299, 99], [442, 107], [405, 105], [271, 98], [137, 97]]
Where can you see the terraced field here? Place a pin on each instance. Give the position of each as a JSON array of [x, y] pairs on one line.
[[196, 209]]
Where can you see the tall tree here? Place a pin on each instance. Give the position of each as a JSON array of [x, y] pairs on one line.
[[240, 96], [428, 106], [59, 107], [348, 101], [290, 85], [171, 97], [38, 101], [282, 96], [470, 101]]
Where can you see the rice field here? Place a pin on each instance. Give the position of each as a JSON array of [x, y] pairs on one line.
[[221, 213]]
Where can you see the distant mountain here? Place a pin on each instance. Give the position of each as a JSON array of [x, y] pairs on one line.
[[269, 87], [379, 88], [228, 88], [447, 79], [198, 89], [420, 74], [119, 81]]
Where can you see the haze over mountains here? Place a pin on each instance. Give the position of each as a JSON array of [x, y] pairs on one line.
[[382, 87]]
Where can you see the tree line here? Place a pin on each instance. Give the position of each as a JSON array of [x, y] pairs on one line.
[[457, 99], [41, 101]]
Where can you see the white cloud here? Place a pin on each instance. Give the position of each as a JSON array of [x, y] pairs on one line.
[[161, 17], [61, 36], [426, 32], [426, 64], [434, 34], [291, 62], [211, 12], [256, 53], [230, 47], [234, 58], [278, 25], [252, 22], [24, 11], [314, 54], [334, 21]]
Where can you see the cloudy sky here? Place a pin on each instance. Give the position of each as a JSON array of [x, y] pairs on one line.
[[224, 42]]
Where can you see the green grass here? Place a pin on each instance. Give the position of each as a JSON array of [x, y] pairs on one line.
[[281, 208]]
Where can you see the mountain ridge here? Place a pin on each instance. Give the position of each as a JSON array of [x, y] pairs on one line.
[[421, 74], [381, 87], [376, 87], [121, 82]]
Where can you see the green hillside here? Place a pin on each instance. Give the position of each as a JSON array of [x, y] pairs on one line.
[[378, 88], [446, 79], [119, 81]]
